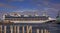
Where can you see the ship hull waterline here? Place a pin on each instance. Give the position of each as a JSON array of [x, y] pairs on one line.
[[30, 21]]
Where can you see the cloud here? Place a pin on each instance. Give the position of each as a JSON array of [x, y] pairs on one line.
[[47, 3], [51, 4], [48, 6], [15, 0], [6, 5]]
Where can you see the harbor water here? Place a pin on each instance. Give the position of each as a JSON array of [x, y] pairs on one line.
[[51, 27]]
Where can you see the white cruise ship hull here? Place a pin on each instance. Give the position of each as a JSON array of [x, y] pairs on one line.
[[30, 21]]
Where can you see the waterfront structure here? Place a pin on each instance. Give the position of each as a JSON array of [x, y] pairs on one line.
[[21, 29]]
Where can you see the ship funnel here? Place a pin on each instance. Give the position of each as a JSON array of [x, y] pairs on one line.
[[4, 16], [35, 14], [44, 13]]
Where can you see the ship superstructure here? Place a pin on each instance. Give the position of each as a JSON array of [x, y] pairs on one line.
[[17, 18]]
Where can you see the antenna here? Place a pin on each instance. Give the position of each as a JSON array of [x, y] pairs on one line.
[[58, 14]]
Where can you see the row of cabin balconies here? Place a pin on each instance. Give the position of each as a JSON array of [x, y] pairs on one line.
[[21, 15], [26, 19]]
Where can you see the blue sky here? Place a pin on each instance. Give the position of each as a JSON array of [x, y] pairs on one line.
[[50, 6]]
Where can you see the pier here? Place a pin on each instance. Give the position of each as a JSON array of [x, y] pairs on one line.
[[17, 29]]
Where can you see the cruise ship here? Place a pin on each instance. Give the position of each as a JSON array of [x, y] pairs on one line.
[[17, 18]]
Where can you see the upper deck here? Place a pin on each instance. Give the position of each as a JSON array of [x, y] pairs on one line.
[[25, 18]]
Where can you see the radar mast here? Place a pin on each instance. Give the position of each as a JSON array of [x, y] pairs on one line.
[[58, 15]]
